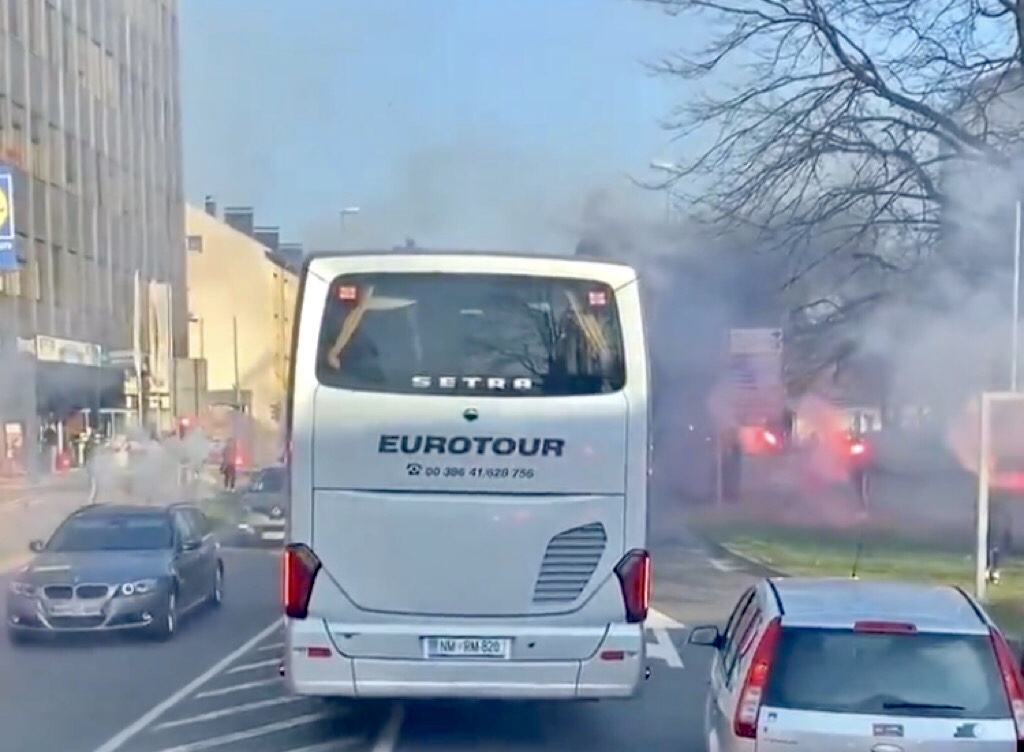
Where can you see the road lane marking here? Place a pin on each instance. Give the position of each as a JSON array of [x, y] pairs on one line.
[[332, 745], [236, 688], [722, 565], [128, 732], [252, 666], [225, 712], [271, 646], [251, 733], [387, 740]]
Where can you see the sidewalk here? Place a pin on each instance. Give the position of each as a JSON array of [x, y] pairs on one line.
[[23, 487]]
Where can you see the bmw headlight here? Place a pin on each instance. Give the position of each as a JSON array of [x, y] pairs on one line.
[[24, 589], [139, 587]]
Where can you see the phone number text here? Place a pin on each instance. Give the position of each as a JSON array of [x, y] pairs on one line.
[[448, 471]]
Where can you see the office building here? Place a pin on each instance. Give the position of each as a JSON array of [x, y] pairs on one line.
[[241, 296], [90, 129]]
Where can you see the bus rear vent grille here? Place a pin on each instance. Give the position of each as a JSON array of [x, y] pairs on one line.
[[569, 563]]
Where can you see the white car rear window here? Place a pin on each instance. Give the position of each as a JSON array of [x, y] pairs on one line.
[[922, 674]]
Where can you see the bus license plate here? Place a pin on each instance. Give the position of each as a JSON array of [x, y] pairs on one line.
[[467, 647]]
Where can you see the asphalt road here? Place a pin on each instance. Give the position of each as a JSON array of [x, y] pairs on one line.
[[215, 687]]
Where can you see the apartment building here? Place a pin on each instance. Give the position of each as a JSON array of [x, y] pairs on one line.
[[241, 292], [90, 130]]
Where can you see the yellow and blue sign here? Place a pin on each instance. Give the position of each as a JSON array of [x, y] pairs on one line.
[[8, 238]]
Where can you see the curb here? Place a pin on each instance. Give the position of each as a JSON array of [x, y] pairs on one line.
[[756, 567]]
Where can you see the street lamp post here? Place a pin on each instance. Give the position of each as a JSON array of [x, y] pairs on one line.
[[198, 321], [673, 170], [346, 212], [1015, 324]]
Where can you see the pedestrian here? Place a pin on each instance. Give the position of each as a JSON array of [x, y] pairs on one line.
[[1000, 530], [228, 466], [732, 468]]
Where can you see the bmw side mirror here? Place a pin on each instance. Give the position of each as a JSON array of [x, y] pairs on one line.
[[707, 636], [190, 545], [36, 546]]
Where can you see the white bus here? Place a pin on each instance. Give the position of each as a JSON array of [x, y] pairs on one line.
[[468, 468]]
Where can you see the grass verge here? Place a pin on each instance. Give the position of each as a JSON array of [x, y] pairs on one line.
[[829, 551]]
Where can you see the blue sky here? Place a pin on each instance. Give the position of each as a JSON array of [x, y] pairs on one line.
[[456, 122]]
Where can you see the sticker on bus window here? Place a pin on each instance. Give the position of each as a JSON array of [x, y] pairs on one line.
[[598, 298], [348, 292]]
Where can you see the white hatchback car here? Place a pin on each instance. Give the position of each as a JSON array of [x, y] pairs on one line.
[[830, 665]]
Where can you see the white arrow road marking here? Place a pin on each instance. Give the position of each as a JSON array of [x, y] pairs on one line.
[[656, 619], [662, 648]]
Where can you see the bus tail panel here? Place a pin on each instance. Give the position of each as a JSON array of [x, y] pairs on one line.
[[464, 555]]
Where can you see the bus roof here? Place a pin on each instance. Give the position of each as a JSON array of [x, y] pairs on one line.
[[417, 259]]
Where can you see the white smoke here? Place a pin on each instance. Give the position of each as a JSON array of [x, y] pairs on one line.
[[139, 468]]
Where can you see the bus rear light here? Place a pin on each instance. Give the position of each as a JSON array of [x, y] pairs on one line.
[[318, 652], [634, 573], [613, 655], [300, 567]]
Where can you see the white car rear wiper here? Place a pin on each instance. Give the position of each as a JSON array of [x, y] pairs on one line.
[[920, 706]]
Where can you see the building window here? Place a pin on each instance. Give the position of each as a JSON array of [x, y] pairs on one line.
[[195, 243], [70, 161], [14, 18], [37, 151], [35, 27]]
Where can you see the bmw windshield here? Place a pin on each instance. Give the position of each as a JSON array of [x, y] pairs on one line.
[[112, 534]]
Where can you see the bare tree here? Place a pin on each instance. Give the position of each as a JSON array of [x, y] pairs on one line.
[[838, 124]]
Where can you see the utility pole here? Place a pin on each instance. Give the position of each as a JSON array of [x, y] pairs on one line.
[[138, 356], [1015, 324], [234, 344]]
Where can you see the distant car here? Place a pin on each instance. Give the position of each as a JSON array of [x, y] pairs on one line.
[[843, 664], [264, 506], [118, 567]]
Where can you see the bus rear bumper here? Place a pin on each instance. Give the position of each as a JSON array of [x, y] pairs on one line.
[[615, 670]]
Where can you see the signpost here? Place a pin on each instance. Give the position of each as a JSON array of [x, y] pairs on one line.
[[8, 237], [752, 390], [755, 374]]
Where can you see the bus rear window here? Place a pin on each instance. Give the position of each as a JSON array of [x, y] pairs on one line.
[[923, 674], [486, 334]]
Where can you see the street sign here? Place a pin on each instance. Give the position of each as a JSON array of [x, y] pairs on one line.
[[8, 237], [755, 387], [121, 358], [755, 341]]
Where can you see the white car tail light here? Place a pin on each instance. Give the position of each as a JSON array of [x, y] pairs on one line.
[[752, 692]]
